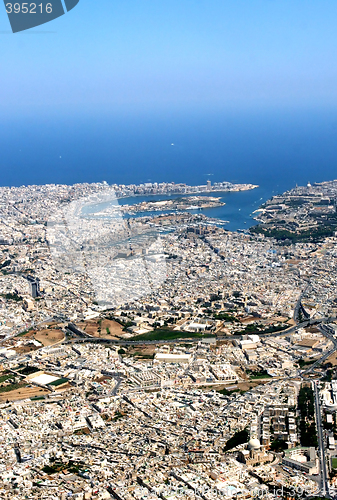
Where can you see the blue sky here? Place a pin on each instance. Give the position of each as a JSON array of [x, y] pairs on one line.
[[127, 55]]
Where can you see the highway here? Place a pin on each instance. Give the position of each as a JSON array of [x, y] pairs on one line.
[[325, 331], [89, 338], [321, 447], [299, 307]]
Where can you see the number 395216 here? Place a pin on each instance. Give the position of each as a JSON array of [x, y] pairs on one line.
[[28, 8]]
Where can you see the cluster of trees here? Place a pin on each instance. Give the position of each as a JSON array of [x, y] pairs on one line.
[[124, 324], [28, 370], [314, 234], [57, 466], [226, 392], [11, 296], [257, 374], [278, 445], [258, 328], [225, 317], [308, 435]]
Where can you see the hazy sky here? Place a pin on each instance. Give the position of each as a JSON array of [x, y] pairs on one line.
[[113, 55]]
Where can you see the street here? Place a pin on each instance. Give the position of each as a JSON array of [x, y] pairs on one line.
[[321, 447]]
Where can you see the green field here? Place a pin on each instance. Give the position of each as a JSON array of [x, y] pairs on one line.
[[12, 387], [5, 377], [334, 463], [59, 381], [162, 334]]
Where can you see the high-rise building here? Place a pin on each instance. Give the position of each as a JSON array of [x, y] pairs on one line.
[[34, 286]]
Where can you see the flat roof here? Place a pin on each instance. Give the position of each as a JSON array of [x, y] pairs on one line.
[[44, 379]]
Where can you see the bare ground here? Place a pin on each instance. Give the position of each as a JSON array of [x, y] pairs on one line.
[[332, 359], [22, 393], [49, 337], [109, 329]]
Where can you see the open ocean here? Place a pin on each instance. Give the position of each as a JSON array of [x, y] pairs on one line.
[[275, 150]]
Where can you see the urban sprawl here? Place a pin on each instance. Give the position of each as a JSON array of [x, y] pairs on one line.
[[148, 353]]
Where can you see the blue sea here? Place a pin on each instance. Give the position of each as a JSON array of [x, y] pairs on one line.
[[275, 149], [237, 213]]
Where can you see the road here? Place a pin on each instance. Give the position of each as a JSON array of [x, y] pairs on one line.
[[115, 389], [321, 447], [299, 307], [198, 339], [326, 332]]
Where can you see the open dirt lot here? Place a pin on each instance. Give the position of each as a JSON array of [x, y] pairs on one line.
[[140, 351], [23, 349], [332, 359], [22, 393], [109, 329], [246, 386], [114, 328], [45, 336], [242, 386], [49, 337]]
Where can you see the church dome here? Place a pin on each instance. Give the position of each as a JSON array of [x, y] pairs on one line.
[[254, 444]]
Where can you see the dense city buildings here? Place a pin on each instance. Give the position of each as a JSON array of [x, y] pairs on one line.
[[147, 352]]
